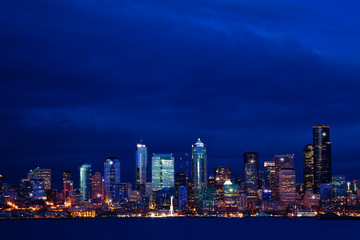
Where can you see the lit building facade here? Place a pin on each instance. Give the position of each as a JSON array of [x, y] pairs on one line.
[[85, 176], [308, 166], [287, 184], [112, 179], [163, 172], [96, 188], [222, 174], [269, 175], [282, 161], [251, 169], [44, 174], [199, 167], [141, 156], [322, 156], [339, 186]]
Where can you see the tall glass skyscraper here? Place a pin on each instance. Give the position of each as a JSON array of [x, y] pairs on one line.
[[112, 178], [163, 172], [322, 156], [199, 167], [85, 177], [141, 156], [308, 166], [251, 166]]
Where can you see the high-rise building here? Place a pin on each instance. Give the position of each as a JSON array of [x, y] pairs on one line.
[[96, 188], [339, 186], [308, 166], [180, 180], [199, 167], [25, 188], [44, 174], [283, 161], [85, 176], [141, 156], [269, 175], [231, 194], [251, 167], [322, 156], [112, 179], [68, 186], [222, 174], [287, 185], [163, 172], [182, 198]]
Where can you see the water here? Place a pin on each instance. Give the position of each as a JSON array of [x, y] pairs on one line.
[[181, 228]]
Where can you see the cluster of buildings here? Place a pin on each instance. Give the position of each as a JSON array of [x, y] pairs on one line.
[[160, 190]]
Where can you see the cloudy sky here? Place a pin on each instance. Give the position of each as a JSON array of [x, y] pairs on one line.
[[82, 80]]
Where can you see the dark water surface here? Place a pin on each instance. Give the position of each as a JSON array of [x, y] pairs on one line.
[[178, 228]]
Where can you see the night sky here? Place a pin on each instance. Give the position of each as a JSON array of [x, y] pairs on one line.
[[83, 80]]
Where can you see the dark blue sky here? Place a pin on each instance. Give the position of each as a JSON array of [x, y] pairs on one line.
[[82, 80]]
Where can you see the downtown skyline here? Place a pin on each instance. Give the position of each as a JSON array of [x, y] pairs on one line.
[[182, 161], [81, 81]]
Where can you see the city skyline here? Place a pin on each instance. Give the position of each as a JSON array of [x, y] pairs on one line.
[[81, 81], [180, 164]]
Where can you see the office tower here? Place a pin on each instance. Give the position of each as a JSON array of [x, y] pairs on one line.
[[111, 178], [308, 166], [269, 175], [44, 174], [284, 161], [141, 156], [96, 188], [85, 176], [199, 167], [207, 199], [231, 194], [260, 180], [163, 172], [37, 189], [339, 186], [211, 182], [66, 175], [287, 185], [238, 180], [180, 180], [68, 187], [322, 156], [251, 166], [222, 174], [25, 188], [325, 191], [182, 195]]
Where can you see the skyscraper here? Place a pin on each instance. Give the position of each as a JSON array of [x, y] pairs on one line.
[[308, 166], [44, 174], [85, 175], [322, 156], [251, 167], [141, 156], [222, 174], [112, 178], [163, 172], [284, 161], [269, 178], [199, 167], [287, 185], [96, 188]]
